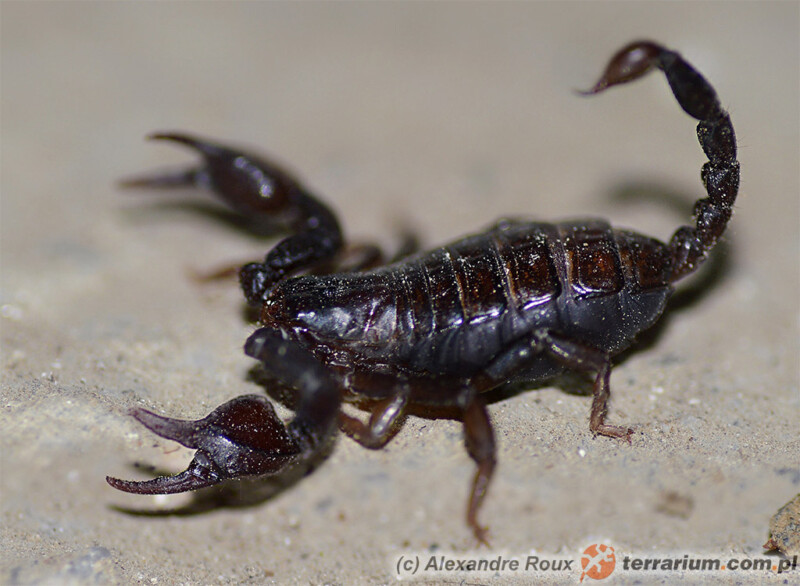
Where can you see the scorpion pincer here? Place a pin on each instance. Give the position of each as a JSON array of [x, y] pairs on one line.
[[520, 302]]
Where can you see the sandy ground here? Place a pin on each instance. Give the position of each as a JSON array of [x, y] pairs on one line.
[[440, 118]]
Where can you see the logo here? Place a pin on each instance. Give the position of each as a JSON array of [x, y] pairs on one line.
[[598, 561]]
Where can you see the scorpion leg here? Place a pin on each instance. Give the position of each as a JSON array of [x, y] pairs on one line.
[[478, 433], [256, 187], [568, 353], [381, 426], [362, 257], [479, 440], [355, 258], [577, 356], [244, 437], [409, 245]]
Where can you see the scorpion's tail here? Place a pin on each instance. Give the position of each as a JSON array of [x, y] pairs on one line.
[[689, 245]]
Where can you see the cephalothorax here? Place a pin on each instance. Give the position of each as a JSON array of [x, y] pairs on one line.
[[521, 302]]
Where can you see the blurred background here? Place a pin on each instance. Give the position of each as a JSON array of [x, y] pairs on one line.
[[435, 118]]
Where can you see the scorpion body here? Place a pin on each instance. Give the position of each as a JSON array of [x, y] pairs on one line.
[[452, 310], [520, 302]]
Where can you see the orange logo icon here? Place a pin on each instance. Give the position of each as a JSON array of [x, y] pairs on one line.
[[598, 561]]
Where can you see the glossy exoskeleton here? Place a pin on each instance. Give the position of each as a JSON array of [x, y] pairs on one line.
[[521, 302]]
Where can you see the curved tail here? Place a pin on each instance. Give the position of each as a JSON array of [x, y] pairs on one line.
[[689, 245]]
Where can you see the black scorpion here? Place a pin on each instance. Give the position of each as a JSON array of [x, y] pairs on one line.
[[518, 303]]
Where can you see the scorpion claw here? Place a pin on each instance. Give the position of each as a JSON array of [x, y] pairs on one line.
[[194, 477], [182, 178], [208, 149], [193, 176], [179, 430], [243, 437]]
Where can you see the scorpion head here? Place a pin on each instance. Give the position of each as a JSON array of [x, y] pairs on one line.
[[257, 281]]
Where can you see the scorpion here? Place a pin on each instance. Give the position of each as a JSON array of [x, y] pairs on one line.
[[519, 303]]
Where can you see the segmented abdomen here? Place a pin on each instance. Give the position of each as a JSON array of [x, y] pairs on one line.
[[452, 309]]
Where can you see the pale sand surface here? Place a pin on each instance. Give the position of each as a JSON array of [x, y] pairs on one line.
[[440, 118]]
